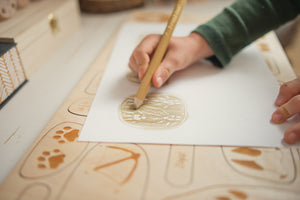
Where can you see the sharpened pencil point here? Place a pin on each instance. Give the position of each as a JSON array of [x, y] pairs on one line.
[[137, 103]]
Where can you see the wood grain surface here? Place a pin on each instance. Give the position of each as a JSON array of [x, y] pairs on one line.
[[57, 166]]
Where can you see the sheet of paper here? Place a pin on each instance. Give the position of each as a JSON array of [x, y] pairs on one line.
[[230, 106]]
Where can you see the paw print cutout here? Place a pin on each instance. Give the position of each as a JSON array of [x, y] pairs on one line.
[[60, 138], [50, 159], [66, 134]]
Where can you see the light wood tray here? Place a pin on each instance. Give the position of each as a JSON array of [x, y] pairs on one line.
[[57, 166]]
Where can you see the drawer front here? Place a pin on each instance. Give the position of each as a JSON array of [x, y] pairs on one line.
[[40, 41]]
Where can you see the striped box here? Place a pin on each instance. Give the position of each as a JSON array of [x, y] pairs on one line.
[[12, 74]]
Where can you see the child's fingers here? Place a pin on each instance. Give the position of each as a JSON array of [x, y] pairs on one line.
[[287, 91], [140, 57], [168, 66], [287, 110], [292, 135], [132, 64], [161, 75]]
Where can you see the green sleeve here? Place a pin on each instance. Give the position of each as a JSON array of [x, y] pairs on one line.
[[243, 22]]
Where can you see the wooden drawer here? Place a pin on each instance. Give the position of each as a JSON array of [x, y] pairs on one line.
[[40, 28]]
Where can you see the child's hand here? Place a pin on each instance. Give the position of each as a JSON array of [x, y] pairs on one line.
[[289, 101], [181, 52]]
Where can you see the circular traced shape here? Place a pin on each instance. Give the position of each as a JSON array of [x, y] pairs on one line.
[[159, 111]]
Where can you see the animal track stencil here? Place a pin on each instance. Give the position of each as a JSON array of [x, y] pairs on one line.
[[56, 150], [81, 107], [93, 85], [50, 159], [179, 171], [39, 191], [66, 134], [237, 192], [114, 171], [264, 47], [264, 163]]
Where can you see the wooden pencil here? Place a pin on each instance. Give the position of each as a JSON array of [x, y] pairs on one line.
[[159, 53]]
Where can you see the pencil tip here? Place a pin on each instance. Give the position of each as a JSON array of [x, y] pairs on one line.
[[137, 103]]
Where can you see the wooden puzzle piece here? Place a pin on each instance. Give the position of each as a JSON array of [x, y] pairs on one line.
[[264, 47], [39, 191], [93, 85], [112, 171], [263, 163], [81, 106], [180, 165], [57, 149], [237, 192], [272, 65], [268, 57]]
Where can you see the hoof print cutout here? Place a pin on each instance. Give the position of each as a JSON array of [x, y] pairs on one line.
[[57, 149], [263, 163]]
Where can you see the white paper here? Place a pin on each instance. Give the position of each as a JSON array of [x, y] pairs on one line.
[[231, 106]]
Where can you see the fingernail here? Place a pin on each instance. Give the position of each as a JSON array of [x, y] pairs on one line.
[[280, 100], [292, 137], [277, 117], [159, 81], [140, 74]]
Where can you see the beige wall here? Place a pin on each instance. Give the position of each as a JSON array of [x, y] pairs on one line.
[[289, 36]]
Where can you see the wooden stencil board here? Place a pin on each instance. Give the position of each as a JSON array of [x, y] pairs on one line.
[[57, 166]]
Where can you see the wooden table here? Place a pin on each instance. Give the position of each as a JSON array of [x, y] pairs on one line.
[[56, 166]]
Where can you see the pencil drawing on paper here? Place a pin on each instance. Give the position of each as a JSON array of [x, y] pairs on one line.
[[132, 77], [159, 111]]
